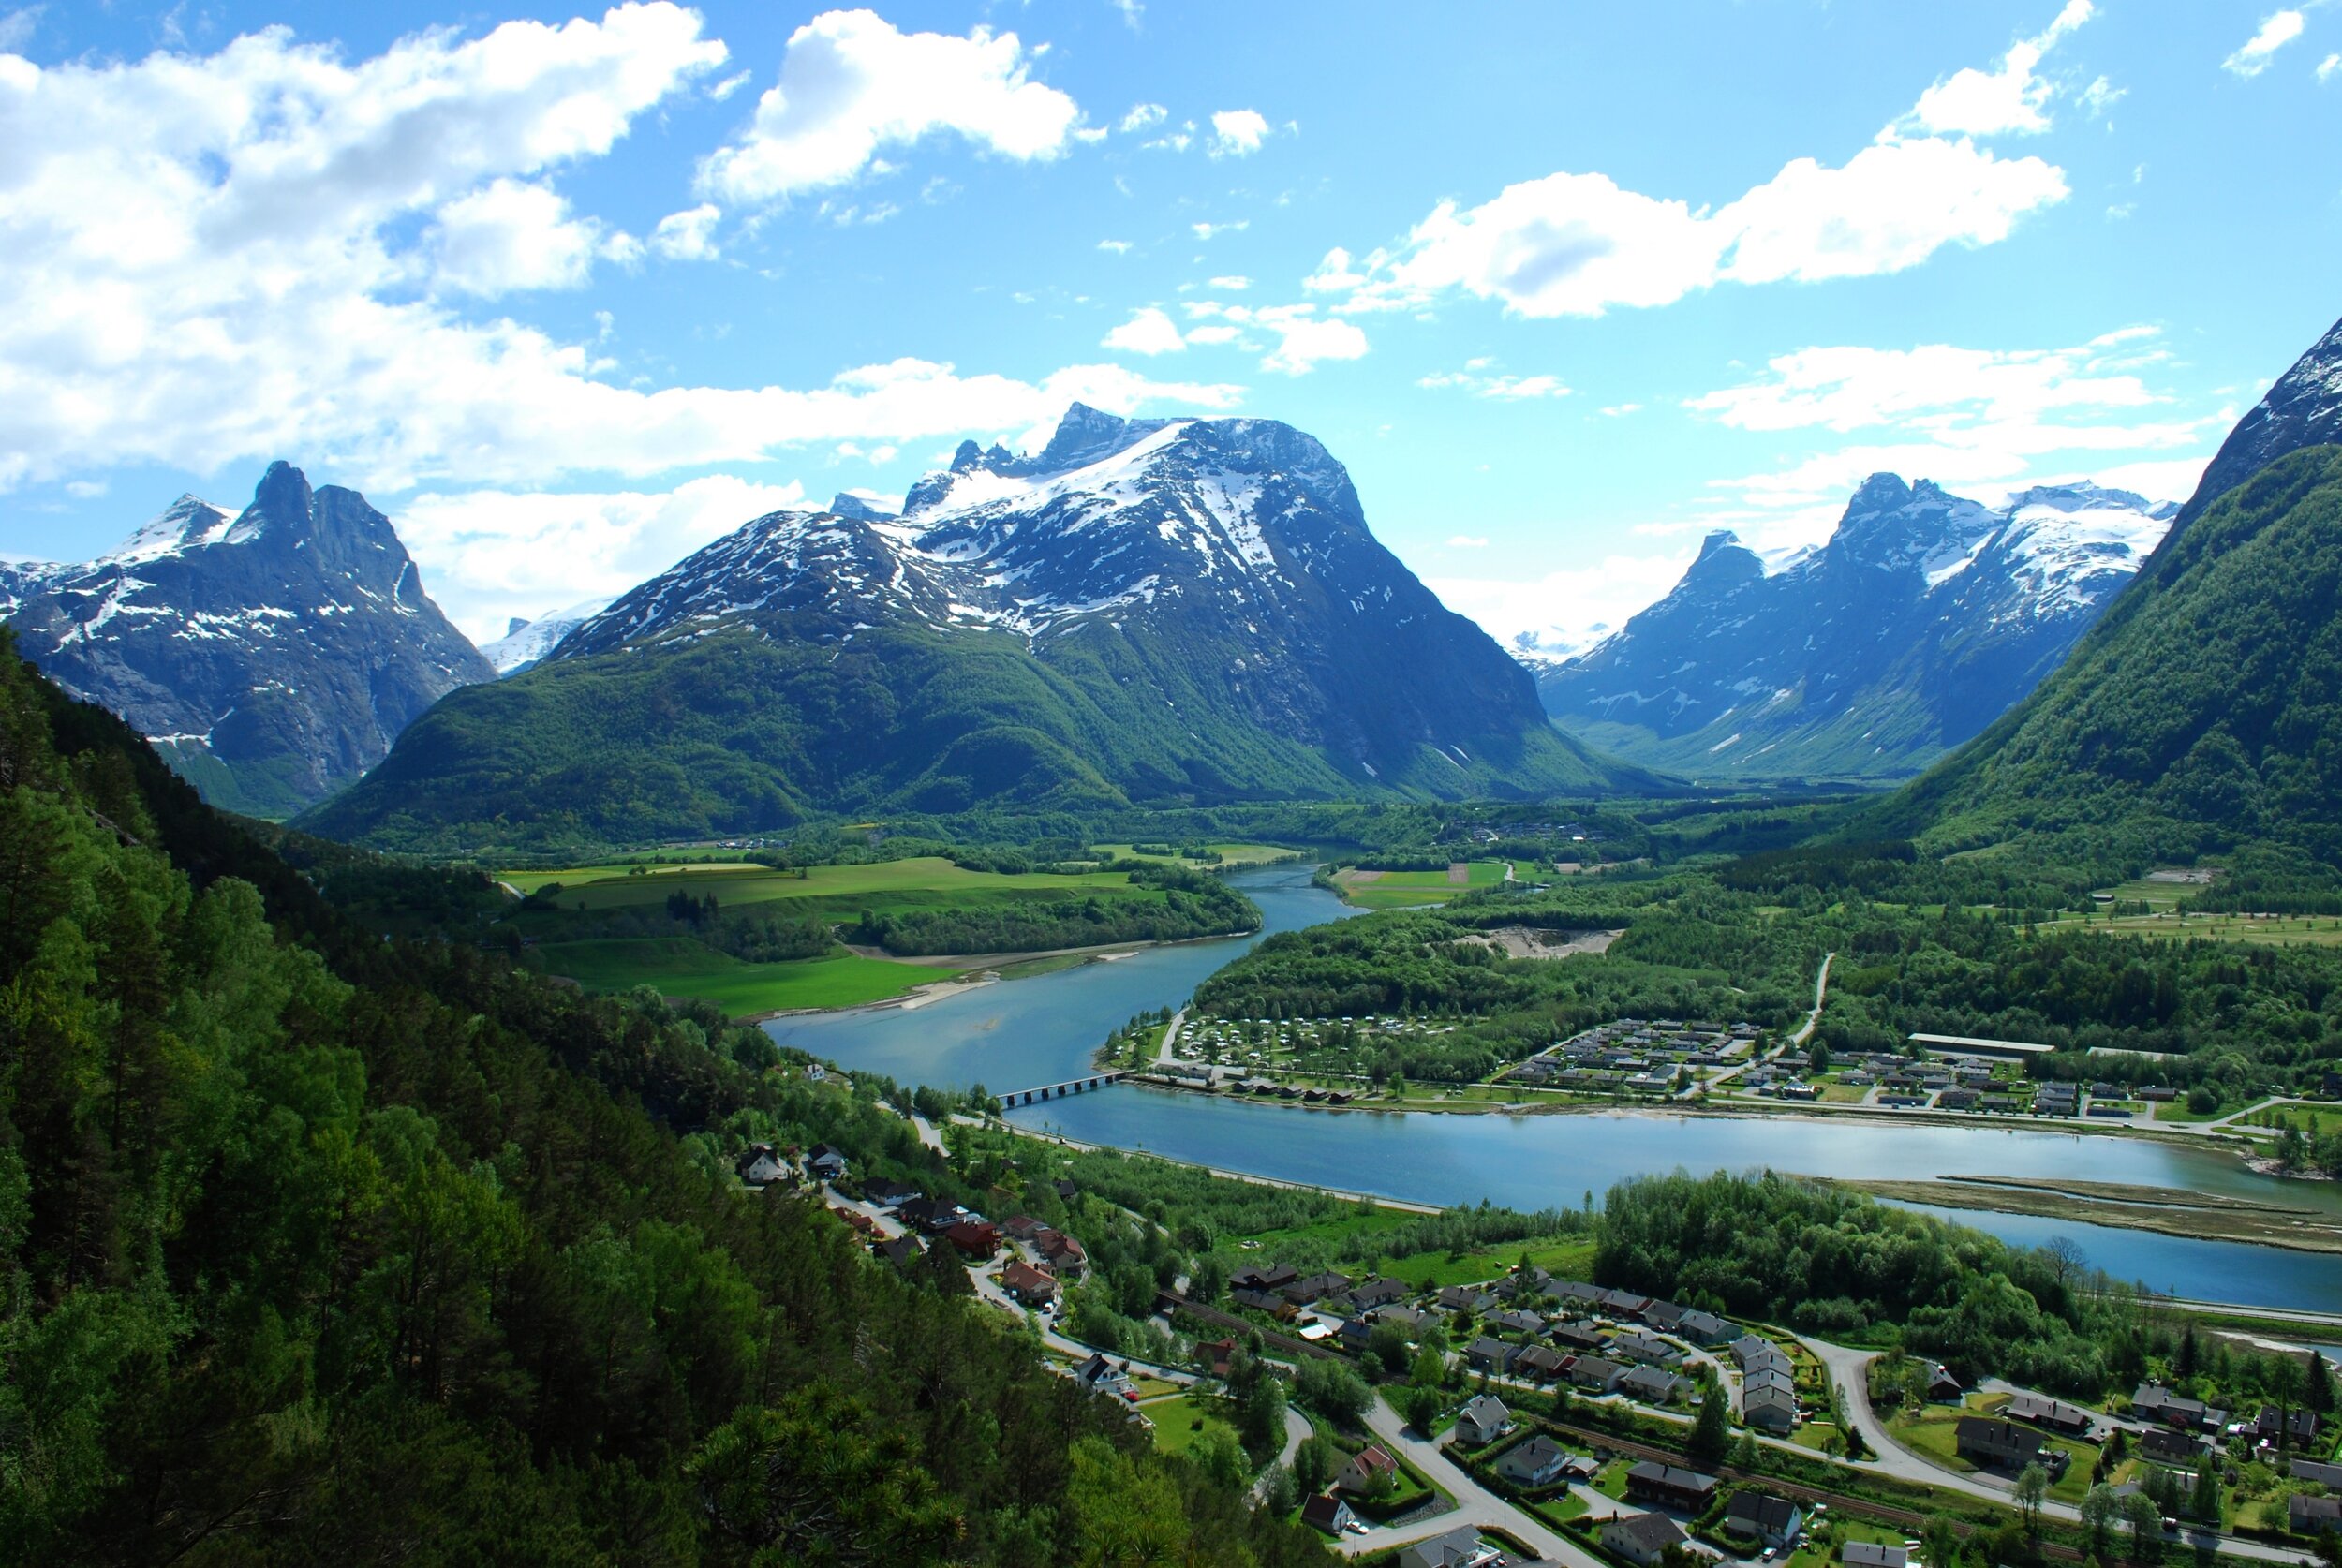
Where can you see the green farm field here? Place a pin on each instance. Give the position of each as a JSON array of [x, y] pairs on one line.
[[1230, 854], [679, 967], [887, 886], [1400, 889]]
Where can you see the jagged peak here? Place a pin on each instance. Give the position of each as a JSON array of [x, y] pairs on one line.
[[860, 508]]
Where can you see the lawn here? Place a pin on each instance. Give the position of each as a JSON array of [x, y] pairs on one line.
[[1831, 1536], [1180, 1421], [924, 882], [680, 966]]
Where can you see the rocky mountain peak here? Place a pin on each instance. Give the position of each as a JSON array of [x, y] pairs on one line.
[[2302, 410], [847, 504]]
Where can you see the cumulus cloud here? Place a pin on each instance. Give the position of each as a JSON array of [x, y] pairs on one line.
[[1148, 332], [251, 254], [491, 554], [688, 235], [2253, 55], [1576, 243], [1142, 116], [1567, 610], [2328, 68], [1233, 283], [1961, 416], [1304, 339], [852, 83], [2010, 100], [1237, 133], [513, 234], [1206, 230]]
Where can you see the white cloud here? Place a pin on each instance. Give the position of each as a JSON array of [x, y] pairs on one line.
[[2009, 100], [2253, 55], [490, 555], [1237, 133], [852, 84], [16, 27], [1620, 410], [1142, 116], [2327, 69], [1504, 387], [688, 235], [208, 259], [1304, 341], [513, 234], [1563, 612], [1960, 416], [1206, 230], [1580, 244], [1467, 541], [1234, 284], [2101, 96], [1148, 332]]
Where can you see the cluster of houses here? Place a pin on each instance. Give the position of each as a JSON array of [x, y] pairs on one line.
[[1768, 1384], [1635, 1056], [763, 1165], [1969, 1084]]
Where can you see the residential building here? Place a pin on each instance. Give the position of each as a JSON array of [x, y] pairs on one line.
[[759, 1166], [2004, 1445], [1585, 1334], [1637, 1346], [1774, 1410], [1256, 1276], [1654, 1385], [1870, 1554], [2180, 1450], [2313, 1516], [1642, 1538], [1483, 1420], [2312, 1469], [1465, 1298], [826, 1163], [1538, 1462], [1659, 1485], [1703, 1328], [1329, 1513], [1065, 1253], [1490, 1355], [1592, 1372], [978, 1238], [1763, 1518], [1101, 1376], [1378, 1291], [1302, 1291], [1540, 1362], [1360, 1478], [2043, 1411], [1461, 1547], [1027, 1284], [889, 1193], [2292, 1427], [2152, 1401], [1942, 1387]]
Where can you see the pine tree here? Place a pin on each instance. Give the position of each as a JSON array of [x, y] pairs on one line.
[[1710, 1433]]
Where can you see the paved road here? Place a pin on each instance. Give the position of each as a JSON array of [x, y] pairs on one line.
[[1474, 1505], [927, 1134], [1170, 1038], [1813, 1019], [1298, 1431], [1849, 1370]]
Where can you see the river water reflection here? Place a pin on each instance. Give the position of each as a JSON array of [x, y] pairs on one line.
[[1025, 1033]]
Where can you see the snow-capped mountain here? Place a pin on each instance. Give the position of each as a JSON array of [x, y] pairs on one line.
[[270, 655], [525, 642], [1151, 610], [2302, 410], [1923, 618]]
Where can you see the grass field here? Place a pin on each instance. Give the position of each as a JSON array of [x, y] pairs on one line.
[[889, 886], [1230, 854], [1180, 1421], [1572, 1259], [679, 967], [1400, 890]]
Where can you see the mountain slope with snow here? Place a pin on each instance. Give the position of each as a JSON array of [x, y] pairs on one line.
[[525, 642], [1922, 619], [269, 654], [1144, 610]]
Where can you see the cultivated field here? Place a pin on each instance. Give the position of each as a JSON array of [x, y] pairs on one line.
[[680, 967]]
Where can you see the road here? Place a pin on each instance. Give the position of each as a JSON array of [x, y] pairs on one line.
[[1170, 1038], [1298, 1431], [1813, 1019], [1849, 1369], [1474, 1505], [928, 1135]]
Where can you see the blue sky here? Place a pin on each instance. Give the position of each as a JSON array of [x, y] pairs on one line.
[[570, 291]]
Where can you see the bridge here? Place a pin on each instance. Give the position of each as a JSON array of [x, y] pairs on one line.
[[1058, 1091]]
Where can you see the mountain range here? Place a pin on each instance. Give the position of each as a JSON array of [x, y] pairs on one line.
[[1145, 611], [2202, 711], [272, 655], [1920, 621]]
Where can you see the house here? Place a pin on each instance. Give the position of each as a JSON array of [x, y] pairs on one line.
[[2180, 1450], [1099, 1376], [1763, 1518], [1624, 1304], [1773, 1409], [759, 1166], [1465, 1298], [889, 1193], [978, 1238], [826, 1163], [1768, 1376], [929, 1214], [1328, 1513], [1378, 1291], [1941, 1385], [901, 1250], [1254, 1277], [1490, 1355], [1540, 1362], [1654, 1385], [1024, 1227], [2323, 1474], [1753, 1354], [2152, 1401], [1356, 1334], [1363, 1475], [1065, 1253], [1461, 1547], [1642, 1538], [1538, 1462], [1658, 1485], [1483, 1420], [1215, 1355], [2003, 1445], [2054, 1413], [1413, 1320], [1266, 1301], [1870, 1554], [1663, 1316], [1516, 1322], [1703, 1328], [1027, 1284], [1066, 1190], [2313, 1516], [1646, 1347], [1593, 1372], [2292, 1426]]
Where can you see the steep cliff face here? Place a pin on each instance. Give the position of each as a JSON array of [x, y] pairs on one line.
[[273, 655]]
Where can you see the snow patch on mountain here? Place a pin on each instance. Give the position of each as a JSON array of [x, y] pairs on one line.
[[526, 642]]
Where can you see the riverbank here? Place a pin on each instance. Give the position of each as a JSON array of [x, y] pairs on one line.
[[1398, 1204], [2169, 1211]]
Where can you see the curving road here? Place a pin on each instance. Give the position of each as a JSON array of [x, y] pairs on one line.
[[1475, 1504]]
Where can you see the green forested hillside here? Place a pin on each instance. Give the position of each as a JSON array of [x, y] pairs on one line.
[[318, 1248], [2203, 712], [736, 732]]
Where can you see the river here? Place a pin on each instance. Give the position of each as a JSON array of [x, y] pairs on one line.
[[1024, 1033]]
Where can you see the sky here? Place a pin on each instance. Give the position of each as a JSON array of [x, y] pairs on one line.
[[570, 292]]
